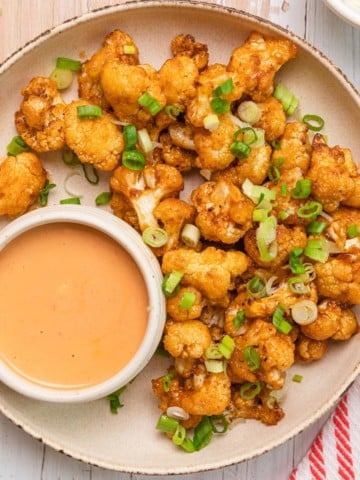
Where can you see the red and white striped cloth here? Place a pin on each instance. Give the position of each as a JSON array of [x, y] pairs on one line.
[[335, 453]]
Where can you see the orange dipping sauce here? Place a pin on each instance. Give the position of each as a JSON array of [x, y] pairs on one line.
[[73, 306]]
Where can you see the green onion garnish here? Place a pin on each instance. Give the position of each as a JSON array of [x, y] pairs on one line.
[[266, 239], [68, 64], [302, 189], [283, 189], [316, 227], [166, 382], [275, 144], [316, 250], [227, 346], [297, 286], [274, 173], [317, 125], [71, 200], [89, 111], [283, 215], [129, 49], [279, 321], [310, 210], [219, 420], [249, 135], [203, 433], [255, 287], [69, 158], [155, 237], [179, 435], [213, 353], [114, 399], [219, 105], [252, 358], [353, 231], [224, 88], [130, 136], [44, 193], [133, 160], [188, 445], [249, 390], [16, 146], [149, 102], [171, 282], [214, 366], [167, 424], [62, 78], [286, 98], [260, 214], [90, 173], [172, 111], [297, 378], [103, 198], [187, 300], [240, 149], [239, 319], [294, 261]]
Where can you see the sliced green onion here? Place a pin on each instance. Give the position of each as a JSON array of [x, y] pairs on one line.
[[219, 419], [211, 122], [90, 173], [149, 102], [170, 283], [258, 194], [266, 239], [294, 261], [155, 237], [213, 353], [203, 433], [252, 358], [283, 215], [224, 88], [188, 300], [297, 378], [62, 78], [304, 312], [190, 235], [16, 146], [71, 200], [214, 366], [255, 287], [68, 64], [249, 135], [240, 149], [283, 189], [130, 136], [279, 321], [302, 189], [167, 424], [353, 231], [297, 286], [239, 319], [227, 346], [129, 49], [114, 399], [249, 112], [249, 390], [317, 250], [44, 193], [166, 382], [103, 198], [172, 111], [219, 105], [310, 210], [274, 173], [188, 445], [276, 144], [89, 111], [314, 122], [286, 98], [145, 141], [133, 160], [69, 158], [260, 214], [179, 435], [316, 227]]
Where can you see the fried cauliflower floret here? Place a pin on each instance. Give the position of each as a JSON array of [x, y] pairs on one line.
[[186, 45], [257, 61], [255, 168], [309, 350], [113, 48], [286, 238], [224, 214], [40, 119], [257, 408], [178, 78], [182, 135], [21, 179], [347, 325], [276, 352], [94, 140], [343, 218], [338, 183], [339, 278], [187, 339], [211, 271], [123, 209], [174, 155], [213, 148], [273, 119], [146, 188], [123, 85], [294, 149], [180, 314]]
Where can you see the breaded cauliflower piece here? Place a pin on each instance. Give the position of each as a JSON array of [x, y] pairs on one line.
[[343, 218], [174, 155], [339, 278], [257, 408], [224, 214], [211, 271], [338, 184], [176, 312], [123, 209], [21, 179], [255, 168], [273, 119], [94, 140], [146, 188], [276, 352], [257, 61], [186, 45], [213, 148], [40, 119], [113, 48], [347, 325], [123, 85], [187, 339], [182, 135], [287, 239], [295, 148], [309, 350]]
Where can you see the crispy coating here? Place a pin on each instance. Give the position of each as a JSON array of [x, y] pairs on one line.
[[124, 84], [257, 61], [287, 239], [94, 140], [123, 209], [180, 314], [21, 179], [257, 408], [347, 325], [273, 119], [174, 155], [113, 48], [343, 218], [224, 214], [187, 339], [146, 188], [187, 45], [294, 149], [40, 119], [276, 352], [182, 135], [309, 350], [211, 271], [339, 278]]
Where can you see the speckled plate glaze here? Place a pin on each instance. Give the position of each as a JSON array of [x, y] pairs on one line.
[[128, 442]]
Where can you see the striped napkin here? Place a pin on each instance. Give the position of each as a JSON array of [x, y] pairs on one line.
[[335, 453]]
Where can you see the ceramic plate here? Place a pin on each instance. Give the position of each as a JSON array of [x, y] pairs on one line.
[[128, 441]]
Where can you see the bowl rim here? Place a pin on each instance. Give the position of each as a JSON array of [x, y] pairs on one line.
[[149, 268]]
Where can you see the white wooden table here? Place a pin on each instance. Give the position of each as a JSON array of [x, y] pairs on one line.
[[22, 457]]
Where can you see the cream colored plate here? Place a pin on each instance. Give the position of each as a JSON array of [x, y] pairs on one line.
[[128, 441]]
